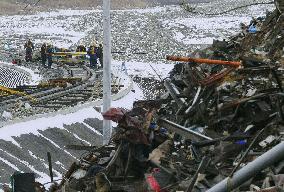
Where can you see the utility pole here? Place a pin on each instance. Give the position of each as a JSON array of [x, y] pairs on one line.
[[107, 128]]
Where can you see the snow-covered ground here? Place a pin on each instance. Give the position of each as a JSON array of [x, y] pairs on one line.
[[60, 121], [33, 126], [144, 37], [143, 69], [155, 32]]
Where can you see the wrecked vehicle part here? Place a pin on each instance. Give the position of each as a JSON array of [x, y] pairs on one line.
[[272, 156], [243, 100]]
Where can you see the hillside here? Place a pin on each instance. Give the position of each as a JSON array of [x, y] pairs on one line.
[[7, 7], [17, 6]]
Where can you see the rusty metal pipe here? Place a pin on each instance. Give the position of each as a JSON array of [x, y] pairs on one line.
[[235, 64]]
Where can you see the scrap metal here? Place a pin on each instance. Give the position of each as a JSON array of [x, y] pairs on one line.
[[187, 133], [235, 64], [272, 156], [217, 122]]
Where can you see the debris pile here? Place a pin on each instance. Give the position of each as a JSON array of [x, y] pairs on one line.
[[218, 126]]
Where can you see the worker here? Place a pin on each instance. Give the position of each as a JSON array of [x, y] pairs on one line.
[[49, 52], [92, 52], [81, 48], [100, 55], [43, 50], [29, 46]]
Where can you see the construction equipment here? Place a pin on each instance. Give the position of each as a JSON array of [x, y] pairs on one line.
[[64, 54], [70, 57], [60, 82], [13, 92]]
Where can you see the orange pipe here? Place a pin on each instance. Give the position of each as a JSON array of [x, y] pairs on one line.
[[207, 61]]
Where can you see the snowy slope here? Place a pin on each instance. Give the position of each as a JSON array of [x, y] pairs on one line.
[[155, 32]]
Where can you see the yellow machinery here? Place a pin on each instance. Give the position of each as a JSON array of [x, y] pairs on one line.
[[70, 57], [61, 82], [4, 91]]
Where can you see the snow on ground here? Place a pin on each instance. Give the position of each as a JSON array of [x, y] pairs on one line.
[[57, 27], [205, 29], [155, 32], [43, 175], [127, 101], [42, 123], [152, 10], [142, 69], [32, 126]]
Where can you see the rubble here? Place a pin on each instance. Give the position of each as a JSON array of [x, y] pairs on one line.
[[218, 126], [215, 122]]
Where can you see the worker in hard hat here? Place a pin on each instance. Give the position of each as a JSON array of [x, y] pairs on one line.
[[49, 53], [29, 46], [81, 47], [43, 52], [100, 54], [92, 52]]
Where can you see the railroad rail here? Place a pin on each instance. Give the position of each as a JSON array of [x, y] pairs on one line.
[[82, 84]]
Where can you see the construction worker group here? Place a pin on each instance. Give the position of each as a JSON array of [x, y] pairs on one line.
[[95, 53], [47, 52]]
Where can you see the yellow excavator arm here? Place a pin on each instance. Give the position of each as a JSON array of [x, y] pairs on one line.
[[13, 92]]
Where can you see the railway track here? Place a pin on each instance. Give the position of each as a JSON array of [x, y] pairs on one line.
[[81, 85]]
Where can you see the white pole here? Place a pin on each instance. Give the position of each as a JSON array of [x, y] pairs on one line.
[[107, 129]]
